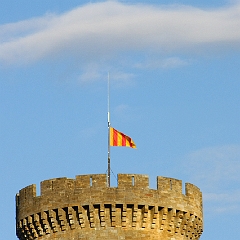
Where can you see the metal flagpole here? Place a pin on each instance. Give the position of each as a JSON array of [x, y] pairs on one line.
[[109, 169]]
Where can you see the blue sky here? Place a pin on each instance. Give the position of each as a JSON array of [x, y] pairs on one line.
[[175, 89]]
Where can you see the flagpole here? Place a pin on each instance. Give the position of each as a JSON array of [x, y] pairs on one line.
[[109, 169]]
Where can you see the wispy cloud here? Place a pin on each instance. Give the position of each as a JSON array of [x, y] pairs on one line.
[[103, 30], [216, 171], [216, 165], [88, 133], [122, 79], [227, 201], [91, 73], [95, 72], [170, 62], [124, 113], [218, 197]]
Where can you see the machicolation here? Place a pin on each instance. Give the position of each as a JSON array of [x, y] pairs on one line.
[[85, 208]]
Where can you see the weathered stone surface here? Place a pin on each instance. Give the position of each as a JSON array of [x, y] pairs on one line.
[[85, 208]]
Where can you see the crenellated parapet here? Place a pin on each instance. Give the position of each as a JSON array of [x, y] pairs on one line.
[[85, 206]]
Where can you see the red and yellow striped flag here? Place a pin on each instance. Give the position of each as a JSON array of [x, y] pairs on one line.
[[120, 140]]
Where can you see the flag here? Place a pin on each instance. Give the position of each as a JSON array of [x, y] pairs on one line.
[[120, 139]]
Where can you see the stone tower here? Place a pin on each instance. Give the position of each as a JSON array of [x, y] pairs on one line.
[[85, 208]]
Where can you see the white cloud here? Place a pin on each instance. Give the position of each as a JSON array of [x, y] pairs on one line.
[[103, 30]]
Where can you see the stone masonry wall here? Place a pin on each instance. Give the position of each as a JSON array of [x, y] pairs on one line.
[[85, 208]]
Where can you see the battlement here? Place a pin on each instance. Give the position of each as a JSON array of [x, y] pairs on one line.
[[65, 185], [90, 195]]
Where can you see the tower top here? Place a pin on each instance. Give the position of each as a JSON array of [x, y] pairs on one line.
[[85, 206]]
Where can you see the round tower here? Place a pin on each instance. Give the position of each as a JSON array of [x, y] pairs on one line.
[[86, 208]]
